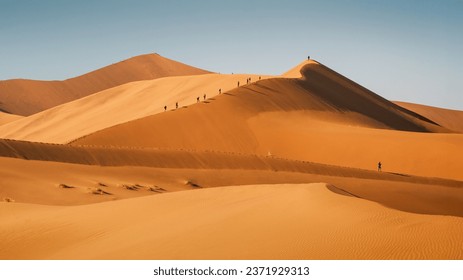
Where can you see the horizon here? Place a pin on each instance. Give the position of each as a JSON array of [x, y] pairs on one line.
[[57, 41]]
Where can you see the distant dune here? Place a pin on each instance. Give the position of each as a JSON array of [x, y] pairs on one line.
[[308, 221], [27, 97], [451, 119]]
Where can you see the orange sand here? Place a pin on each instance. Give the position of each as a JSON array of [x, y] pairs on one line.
[[282, 168], [308, 221], [27, 97]]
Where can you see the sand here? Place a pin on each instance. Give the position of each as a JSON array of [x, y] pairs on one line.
[[451, 119], [281, 168], [298, 119], [7, 118], [118, 105], [27, 97], [245, 222]]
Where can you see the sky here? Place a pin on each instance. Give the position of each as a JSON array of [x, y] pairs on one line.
[[402, 50]]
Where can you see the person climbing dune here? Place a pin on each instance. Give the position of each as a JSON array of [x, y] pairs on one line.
[[379, 166]]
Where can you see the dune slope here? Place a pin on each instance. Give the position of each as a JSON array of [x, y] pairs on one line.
[[451, 119], [119, 105], [27, 97], [7, 118], [245, 222]]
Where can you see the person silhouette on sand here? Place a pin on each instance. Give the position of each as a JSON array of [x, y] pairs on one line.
[[197, 99], [176, 105], [238, 83], [165, 108], [204, 96], [220, 90], [379, 166]]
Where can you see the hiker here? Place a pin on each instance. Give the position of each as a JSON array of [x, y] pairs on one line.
[[197, 99], [220, 90], [379, 166], [238, 83], [165, 108], [204, 96], [259, 78], [176, 105], [308, 58], [249, 79]]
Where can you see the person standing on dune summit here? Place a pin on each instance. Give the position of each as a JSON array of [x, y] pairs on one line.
[[379, 166]]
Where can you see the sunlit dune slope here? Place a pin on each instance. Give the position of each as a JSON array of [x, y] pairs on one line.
[[451, 119], [7, 118], [322, 118], [309, 221], [117, 105], [27, 97]]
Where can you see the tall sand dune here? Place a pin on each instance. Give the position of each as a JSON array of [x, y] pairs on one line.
[[120, 104], [308, 221], [451, 119], [322, 117], [27, 97]]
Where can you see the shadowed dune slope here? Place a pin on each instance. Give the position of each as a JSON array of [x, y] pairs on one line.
[[451, 119], [27, 97], [323, 117], [239, 222]]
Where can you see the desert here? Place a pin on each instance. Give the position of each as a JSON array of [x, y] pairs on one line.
[[177, 162]]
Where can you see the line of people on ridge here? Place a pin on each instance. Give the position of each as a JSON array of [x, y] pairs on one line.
[[248, 81]]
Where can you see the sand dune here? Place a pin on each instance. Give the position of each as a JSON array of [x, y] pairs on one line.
[[7, 118], [119, 105], [236, 176], [57, 183], [451, 119], [27, 97], [322, 118], [245, 222]]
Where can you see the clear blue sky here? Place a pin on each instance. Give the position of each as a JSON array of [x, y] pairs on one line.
[[403, 50]]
